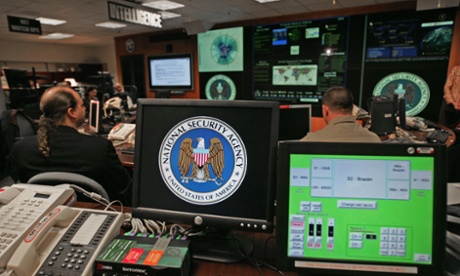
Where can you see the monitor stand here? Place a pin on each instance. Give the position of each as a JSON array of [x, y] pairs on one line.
[[221, 246]]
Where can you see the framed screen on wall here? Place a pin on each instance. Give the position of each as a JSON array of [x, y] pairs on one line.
[[171, 72]]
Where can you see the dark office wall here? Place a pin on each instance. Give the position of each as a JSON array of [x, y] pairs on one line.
[[132, 70], [158, 43]]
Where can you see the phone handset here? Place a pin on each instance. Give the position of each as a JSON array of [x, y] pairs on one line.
[[7, 194], [24, 209], [26, 258]]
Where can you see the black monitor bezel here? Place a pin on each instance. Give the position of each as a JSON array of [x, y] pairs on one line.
[[94, 116], [181, 88], [285, 148], [296, 127], [217, 221]]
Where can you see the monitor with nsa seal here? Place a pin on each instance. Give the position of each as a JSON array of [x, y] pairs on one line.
[[209, 164]]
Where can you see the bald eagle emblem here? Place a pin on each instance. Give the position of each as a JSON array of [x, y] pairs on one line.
[[195, 163]]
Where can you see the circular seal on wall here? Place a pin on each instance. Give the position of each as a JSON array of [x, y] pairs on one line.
[[220, 87], [203, 160], [129, 45], [224, 49], [407, 86]]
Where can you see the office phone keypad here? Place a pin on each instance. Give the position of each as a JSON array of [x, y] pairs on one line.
[[15, 220], [70, 256]]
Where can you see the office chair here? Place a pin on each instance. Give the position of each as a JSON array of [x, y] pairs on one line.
[[132, 92], [56, 178], [14, 125]]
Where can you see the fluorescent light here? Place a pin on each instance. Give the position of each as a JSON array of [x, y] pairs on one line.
[[50, 21], [266, 1], [111, 25], [169, 15], [56, 36], [163, 5]]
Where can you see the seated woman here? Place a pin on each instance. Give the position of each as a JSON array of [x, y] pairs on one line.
[[90, 94]]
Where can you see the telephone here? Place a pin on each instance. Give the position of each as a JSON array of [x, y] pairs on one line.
[[122, 133], [66, 241], [22, 205], [416, 123]]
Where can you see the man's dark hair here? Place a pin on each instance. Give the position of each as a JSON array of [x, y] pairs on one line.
[[339, 99], [54, 108]]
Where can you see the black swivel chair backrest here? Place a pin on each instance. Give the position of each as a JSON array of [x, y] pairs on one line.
[[2, 100], [14, 125], [57, 178], [132, 92]]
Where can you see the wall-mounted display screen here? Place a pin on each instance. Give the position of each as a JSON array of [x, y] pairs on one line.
[[299, 60], [173, 72], [221, 50], [392, 37], [406, 55]]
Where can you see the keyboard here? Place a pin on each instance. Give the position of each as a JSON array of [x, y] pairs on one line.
[[437, 136]]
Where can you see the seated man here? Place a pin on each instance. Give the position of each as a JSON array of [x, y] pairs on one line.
[[59, 147], [127, 102], [341, 126]]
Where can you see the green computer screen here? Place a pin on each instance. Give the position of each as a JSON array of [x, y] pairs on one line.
[[361, 207]]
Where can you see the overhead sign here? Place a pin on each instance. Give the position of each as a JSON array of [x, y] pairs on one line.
[[132, 15], [24, 25]]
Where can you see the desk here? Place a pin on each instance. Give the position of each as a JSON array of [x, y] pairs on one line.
[[264, 249], [421, 135], [127, 160]]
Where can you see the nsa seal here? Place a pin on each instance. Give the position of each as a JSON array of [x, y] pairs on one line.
[[407, 86], [203, 160], [129, 45], [220, 87]]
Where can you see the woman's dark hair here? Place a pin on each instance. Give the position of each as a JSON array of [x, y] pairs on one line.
[[53, 110], [89, 89]]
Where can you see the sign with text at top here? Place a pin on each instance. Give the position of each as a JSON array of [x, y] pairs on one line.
[[132, 15], [24, 25]]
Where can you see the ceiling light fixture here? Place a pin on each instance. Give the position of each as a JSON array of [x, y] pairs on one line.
[[56, 36], [439, 3], [266, 1], [110, 25], [163, 5], [169, 15], [333, 2], [50, 21]]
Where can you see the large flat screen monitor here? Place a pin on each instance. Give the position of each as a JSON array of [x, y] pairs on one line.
[[361, 209], [299, 60], [173, 72], [295, 121], [206, 163]]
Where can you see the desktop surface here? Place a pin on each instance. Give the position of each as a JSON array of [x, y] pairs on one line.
[[264, 250]]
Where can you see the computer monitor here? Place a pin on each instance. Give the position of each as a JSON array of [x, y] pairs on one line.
[[21, 93], [94, 115], [383, 116], [295, 121], [17, 78], [361, 209], [209, 164]]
